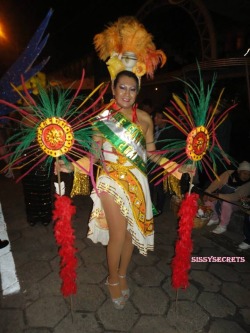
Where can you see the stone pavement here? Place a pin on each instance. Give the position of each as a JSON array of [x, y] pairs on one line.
[[216, 301]]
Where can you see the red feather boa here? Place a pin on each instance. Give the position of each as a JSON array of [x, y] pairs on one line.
[[184, 245], [64, 235]]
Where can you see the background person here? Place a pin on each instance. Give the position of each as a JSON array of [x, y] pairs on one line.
[[245, 245], [236, 198], [232, 185]]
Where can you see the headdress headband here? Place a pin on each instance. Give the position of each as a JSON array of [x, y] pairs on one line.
[[126, 44]]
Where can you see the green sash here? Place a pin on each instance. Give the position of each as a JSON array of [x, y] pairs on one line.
[[125, 136]]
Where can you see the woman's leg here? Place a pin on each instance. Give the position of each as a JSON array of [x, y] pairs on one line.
[[126, 255], [117, 234], [226, 212]]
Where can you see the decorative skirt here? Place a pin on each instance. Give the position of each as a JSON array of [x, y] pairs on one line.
[[130, 190]]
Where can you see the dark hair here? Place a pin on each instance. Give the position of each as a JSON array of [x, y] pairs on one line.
[[126, 73]]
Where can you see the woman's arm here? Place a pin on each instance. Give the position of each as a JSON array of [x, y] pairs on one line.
[[241, 192], [83, 164], [218, 183]]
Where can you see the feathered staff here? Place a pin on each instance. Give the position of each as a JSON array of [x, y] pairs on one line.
[[194, 116], [54, 126]]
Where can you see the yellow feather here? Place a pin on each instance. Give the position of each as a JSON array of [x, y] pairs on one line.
[[127, 34], [180, 104], [216, 106], [183, 108], [90, 95], [177, 124]]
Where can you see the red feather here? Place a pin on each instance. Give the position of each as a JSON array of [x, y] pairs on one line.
[[64, 235], [184, 245]]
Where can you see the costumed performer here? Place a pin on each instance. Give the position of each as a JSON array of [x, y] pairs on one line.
[[122, 214]]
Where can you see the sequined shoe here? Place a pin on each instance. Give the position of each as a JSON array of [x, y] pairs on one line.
[[125, 292], [119, 302]]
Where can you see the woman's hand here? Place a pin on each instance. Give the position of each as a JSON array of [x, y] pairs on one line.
[[61, 166], [188, 168]]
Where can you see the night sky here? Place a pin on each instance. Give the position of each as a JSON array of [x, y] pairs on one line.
[[71, 28], [74, 24]]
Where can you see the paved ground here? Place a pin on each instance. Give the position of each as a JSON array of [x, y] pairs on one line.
[[216, 301]]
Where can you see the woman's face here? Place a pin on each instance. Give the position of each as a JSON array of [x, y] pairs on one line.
[[125, 91]]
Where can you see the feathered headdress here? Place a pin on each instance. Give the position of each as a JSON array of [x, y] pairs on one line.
[[127, 39]]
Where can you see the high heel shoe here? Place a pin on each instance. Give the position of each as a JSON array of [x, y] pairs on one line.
[[119, 302], [125, 292]]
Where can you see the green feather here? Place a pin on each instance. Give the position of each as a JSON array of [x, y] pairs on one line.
[[198, 98]]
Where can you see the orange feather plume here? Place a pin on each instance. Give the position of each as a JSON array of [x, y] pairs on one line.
[[127, 34]]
